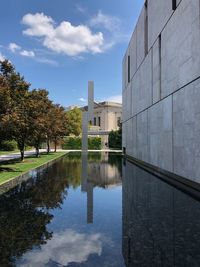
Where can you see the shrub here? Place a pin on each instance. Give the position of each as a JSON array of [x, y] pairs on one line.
[[94, 143], [71, 143], [8, 145], [76, 143], [115, 139]]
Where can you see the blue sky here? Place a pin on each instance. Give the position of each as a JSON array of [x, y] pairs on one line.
[[61, 44]]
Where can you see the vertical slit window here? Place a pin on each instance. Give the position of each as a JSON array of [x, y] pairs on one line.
[[99, 121], [174, 4], [146, 29], [129, 69]]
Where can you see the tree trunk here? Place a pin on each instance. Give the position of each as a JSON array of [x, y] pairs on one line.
[[22, 154], [21, 147], [55, 147], [48, 146], [37, 151]]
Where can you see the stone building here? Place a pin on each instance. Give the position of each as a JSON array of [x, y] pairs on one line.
[[107, 117], [161, 87]]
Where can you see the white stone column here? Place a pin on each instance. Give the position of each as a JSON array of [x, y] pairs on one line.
[[90, 101], [84, 131]]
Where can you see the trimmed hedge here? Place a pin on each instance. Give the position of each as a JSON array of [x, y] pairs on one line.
[[8, 145], [115, 139], [94, 143], [76, 143]]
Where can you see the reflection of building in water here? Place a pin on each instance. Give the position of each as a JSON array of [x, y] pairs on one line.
[[103, 175], [97, 173], [160, 223]]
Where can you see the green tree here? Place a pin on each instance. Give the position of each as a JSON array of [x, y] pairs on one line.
[[115, 139], [39, 106], [74, 122], [56, 129], [29, 117], [5, 107], [14, 117]]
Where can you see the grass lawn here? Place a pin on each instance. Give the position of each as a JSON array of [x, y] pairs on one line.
[[13, 169]]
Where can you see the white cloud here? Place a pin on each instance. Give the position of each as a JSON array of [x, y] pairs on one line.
[[47, 61], [39, 25], [110, 23], [2, 58], [26, 53], [82, 99], [14, 47], [81, 9], [64, 38], [64, 248], [115, 98], [114, 31]]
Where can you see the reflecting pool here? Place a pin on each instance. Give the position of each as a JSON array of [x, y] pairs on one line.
[[96, 210], [69, 214]]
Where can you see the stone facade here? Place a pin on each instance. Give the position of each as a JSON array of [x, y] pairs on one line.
[[161, 87], [106, 117]]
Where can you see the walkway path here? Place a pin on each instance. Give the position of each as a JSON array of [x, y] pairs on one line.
[[17, 155], [32, 152]]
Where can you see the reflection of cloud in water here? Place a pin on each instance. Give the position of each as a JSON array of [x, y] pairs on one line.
[[63, 248]]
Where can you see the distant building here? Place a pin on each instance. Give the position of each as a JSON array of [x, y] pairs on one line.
[[107, 117]]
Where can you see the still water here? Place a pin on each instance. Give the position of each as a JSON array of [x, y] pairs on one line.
[[93, 210]]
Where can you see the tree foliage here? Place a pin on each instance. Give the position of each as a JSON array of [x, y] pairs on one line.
[[56, 124], [115, 139], [27, 116], [39, 106], [71, 142], [74, 122]]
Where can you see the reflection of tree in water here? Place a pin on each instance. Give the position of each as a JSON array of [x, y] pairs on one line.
[[25, 209], [24, 212], [96, 161], [22, 225], [50, 187], [72, 167], [92, 157], [115, 160]]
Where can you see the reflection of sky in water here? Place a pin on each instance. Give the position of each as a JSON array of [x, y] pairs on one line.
[[61, 220], [63, 248], [77, 240]]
